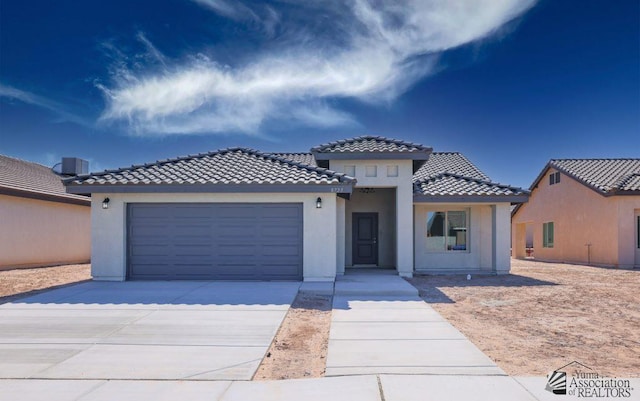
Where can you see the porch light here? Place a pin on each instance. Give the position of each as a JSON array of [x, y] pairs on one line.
[[105, 203], [318, 203]]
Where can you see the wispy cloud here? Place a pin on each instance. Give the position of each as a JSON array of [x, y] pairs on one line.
[[367, 50], [9, 92]]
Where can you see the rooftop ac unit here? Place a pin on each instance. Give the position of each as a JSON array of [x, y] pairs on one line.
[[74, 166]]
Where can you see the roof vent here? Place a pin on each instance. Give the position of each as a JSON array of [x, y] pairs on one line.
[[74, 166]]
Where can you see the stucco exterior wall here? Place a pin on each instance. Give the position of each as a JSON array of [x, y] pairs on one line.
[[110, 244], [581, 216], [488, 236], [340, 235], [43, 233], [628, 252], [383, 202], [388, 174]]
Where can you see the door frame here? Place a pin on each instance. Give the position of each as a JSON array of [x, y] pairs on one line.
[[354, 236]]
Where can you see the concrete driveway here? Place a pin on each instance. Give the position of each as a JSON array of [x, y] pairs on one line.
[[143, 330]]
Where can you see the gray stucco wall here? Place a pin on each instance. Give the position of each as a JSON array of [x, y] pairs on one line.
[[383, 202]]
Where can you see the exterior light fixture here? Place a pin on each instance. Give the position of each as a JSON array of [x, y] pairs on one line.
[[318, 203], [105, 203]]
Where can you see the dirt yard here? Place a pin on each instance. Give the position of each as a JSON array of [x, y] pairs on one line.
[[17, 283], [299, 349], [545, 315]]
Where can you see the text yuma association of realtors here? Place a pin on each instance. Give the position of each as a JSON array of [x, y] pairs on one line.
[[588, 384]]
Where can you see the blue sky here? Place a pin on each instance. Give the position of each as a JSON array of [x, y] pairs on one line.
[[510, 83]]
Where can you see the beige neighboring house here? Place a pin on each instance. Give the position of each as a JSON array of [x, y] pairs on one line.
[[583, 211], [40, 224]]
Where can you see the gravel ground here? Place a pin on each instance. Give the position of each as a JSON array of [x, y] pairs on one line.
[[18, 283], [544, 315], [299, 349]]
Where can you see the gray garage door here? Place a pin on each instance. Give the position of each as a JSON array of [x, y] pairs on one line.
[[214, 241]]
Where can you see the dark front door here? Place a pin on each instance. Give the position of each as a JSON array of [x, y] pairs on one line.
[[365, 238]]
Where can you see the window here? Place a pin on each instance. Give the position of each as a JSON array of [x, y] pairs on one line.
[[638, 232], [547, 235], [447, 231], [554, 178]]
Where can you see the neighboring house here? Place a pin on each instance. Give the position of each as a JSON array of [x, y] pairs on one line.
[[582, 211], [40, 223], [242, 214]]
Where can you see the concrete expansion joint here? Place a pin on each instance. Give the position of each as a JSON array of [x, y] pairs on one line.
[[380, 389]]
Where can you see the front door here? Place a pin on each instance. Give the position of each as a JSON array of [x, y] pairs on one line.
[[365, 238], [637, 244]]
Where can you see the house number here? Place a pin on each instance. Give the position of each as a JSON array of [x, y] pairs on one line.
[[337, 189]]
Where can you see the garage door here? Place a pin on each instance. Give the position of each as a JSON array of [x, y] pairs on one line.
[[214, 241]]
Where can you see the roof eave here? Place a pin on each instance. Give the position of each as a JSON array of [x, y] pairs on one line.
[[337, 188], [519, 198], [622, 192], [44, 196]]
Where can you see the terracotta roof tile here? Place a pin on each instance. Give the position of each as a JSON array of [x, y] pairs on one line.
[[374, 144], [32, 178], [228, 166], [447, 184], [604, 175], [448, 162]]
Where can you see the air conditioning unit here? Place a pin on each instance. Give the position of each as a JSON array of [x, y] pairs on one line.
[[74, 166]]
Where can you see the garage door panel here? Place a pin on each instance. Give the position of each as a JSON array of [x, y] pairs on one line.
[[153, 251], [215, 241], [285, 250]]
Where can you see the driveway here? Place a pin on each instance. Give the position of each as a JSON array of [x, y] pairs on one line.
[[143, 330]]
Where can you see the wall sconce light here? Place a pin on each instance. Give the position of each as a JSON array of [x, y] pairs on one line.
[[105, 203], [318, 203]]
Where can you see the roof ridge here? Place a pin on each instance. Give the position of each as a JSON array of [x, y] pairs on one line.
[[157, 162], [25, 161], [305, 166], [249, 151], [394, 141], [597, 158], [289, 153]]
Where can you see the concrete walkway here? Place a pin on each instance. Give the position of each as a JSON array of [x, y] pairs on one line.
[[395, 334]]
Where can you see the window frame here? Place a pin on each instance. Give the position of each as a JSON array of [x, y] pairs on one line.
[[548, 228], [445, 221]]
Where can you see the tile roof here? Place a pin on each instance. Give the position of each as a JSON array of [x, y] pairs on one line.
[[452, 174], [375, 144], [33, 180], [448, 162], [303, 158], [607, 176], [448, 184], [227, 166]]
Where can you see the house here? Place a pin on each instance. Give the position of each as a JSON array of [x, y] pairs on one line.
[[584, 211], [241, 214], [40, 223]]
